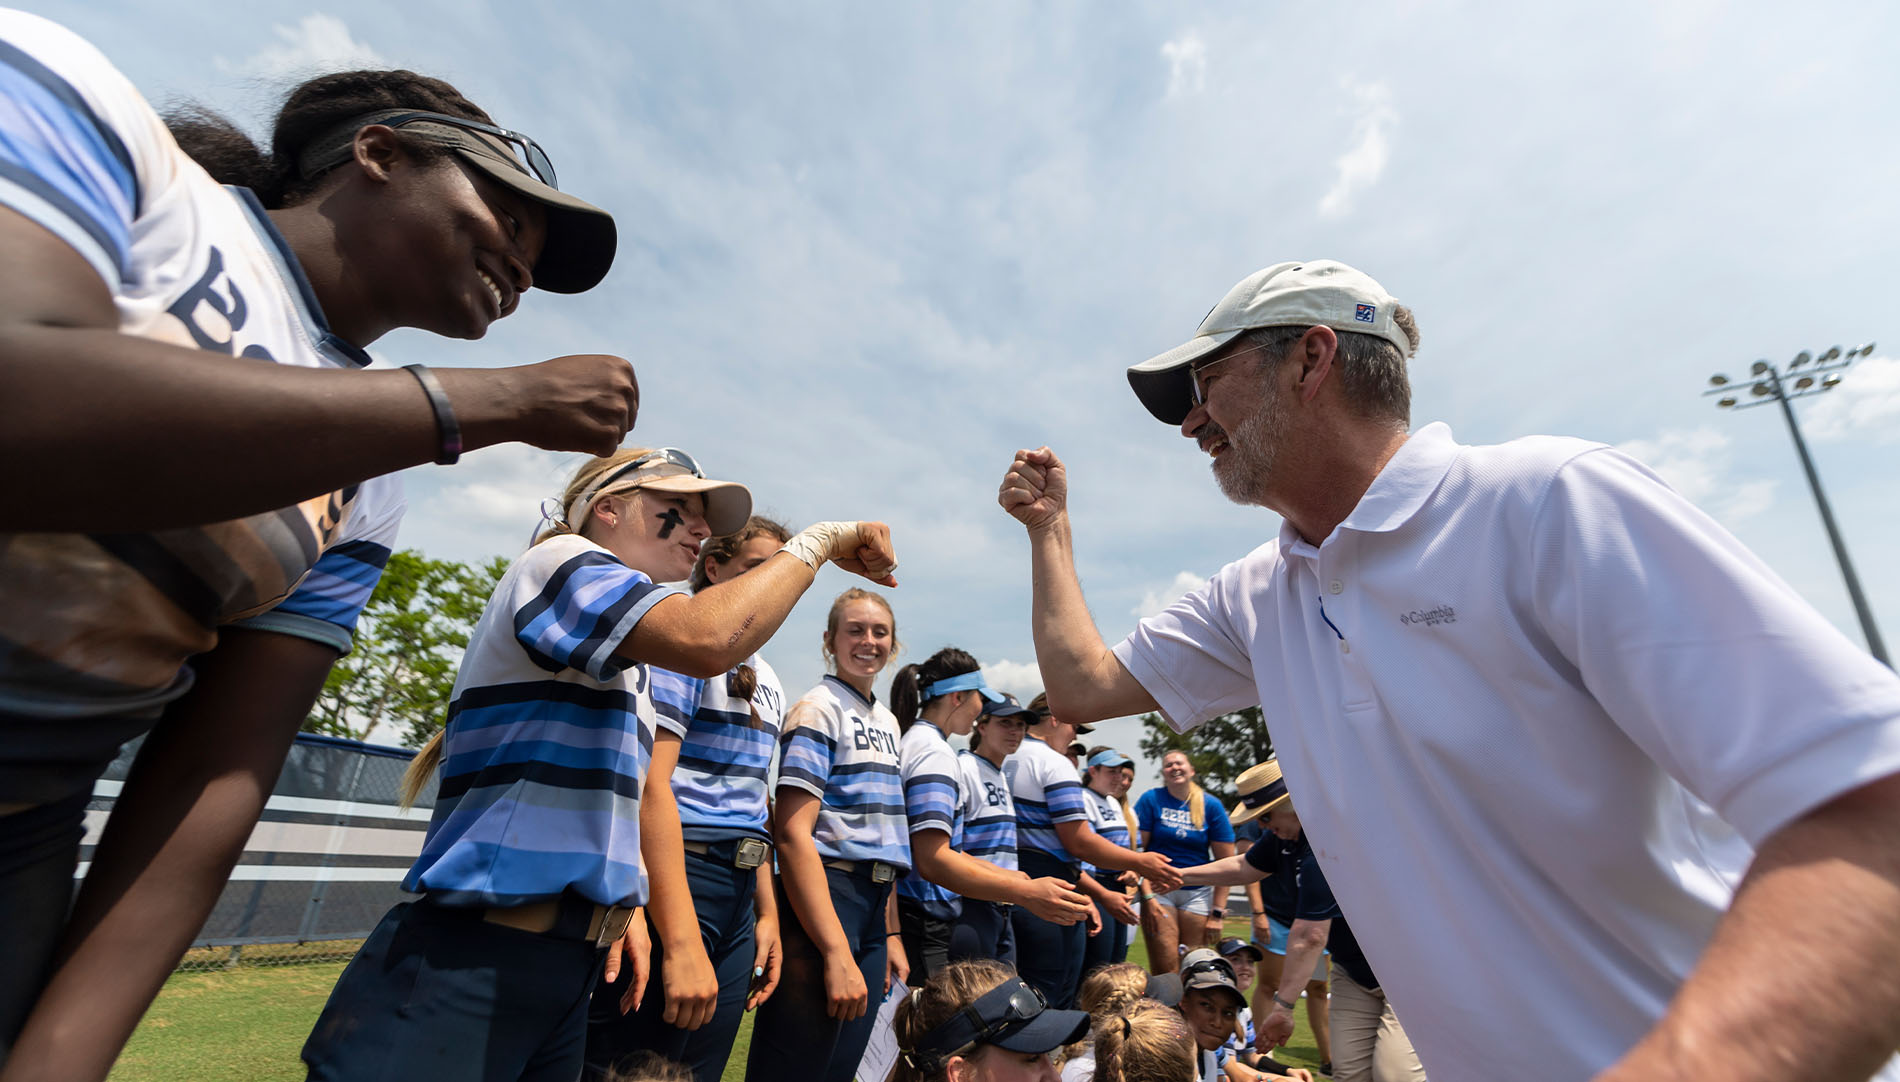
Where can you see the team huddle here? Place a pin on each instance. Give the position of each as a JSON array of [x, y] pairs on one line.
[[1508, 800]]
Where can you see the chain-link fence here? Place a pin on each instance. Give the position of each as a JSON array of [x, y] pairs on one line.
[[321, 867]]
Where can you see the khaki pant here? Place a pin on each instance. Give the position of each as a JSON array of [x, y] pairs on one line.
[[1368, 1045]]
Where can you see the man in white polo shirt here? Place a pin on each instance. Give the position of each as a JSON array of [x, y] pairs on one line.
[[1601, 796]]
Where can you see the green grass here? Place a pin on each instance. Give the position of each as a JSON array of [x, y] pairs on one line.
[[247, 1025]]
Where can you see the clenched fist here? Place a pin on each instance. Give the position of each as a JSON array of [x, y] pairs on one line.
[[1036, 489], [584, 402]]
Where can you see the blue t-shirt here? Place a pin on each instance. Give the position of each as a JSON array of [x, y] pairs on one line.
[[1169, 824]]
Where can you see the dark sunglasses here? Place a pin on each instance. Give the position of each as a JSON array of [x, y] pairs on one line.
[[527, 150]]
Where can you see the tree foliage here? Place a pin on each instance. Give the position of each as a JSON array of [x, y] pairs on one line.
[[409, 641], [1220, 750]]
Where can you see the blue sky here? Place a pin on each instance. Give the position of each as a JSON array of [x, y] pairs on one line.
[[869, 250]]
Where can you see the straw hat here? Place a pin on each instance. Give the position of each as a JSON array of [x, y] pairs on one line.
[[1261, 790]]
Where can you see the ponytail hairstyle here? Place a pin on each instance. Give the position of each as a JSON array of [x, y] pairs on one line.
[[313, 110], [590, 471], [744, 680], [421, 771], [1107, 993], [1128, 813], [936, 1001], [1145, 1043], [856, 593], [907, 688]]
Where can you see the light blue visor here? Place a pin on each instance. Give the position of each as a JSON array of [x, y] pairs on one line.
[[969, 681], [1110, 757]]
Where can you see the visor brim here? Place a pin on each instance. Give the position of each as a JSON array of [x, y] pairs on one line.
[[1164, 382], [581, 237], [1046, 1032], [728, 503]]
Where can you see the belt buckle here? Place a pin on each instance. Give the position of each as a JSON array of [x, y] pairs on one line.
[[613, 925], [882, 872], [750, 853]]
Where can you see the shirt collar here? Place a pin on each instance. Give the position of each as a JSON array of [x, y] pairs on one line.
[[1401, 488], [855, 694], [315, 324]]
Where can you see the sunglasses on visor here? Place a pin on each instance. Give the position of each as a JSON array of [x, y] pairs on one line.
[[972, 1026], [527, 151]]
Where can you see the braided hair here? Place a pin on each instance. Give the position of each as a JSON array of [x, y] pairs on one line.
[[311, 111]]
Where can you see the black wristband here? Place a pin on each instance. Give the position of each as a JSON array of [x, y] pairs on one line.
[[448, 434]]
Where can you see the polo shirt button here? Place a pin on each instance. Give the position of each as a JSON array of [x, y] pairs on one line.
[[1335, 587]]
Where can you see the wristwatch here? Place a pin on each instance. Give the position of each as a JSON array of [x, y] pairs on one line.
[[1278, 1002]]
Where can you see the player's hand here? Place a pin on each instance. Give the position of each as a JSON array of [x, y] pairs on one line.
[[1262, 929], [1159, 871], [692, 988], [1119, 908], [869, 553], [638, 951], [896, 963], [845, 994], [1036, 489], [767, 958], [1054, 900], [1094, 920], [585, 402]]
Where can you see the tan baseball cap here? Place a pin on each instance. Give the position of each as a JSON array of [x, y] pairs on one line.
[[581, 237], [1316, 293]]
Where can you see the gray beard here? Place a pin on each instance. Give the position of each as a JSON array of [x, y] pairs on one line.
[[1251, 449]]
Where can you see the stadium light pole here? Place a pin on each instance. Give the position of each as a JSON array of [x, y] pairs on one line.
[[1810, 376]]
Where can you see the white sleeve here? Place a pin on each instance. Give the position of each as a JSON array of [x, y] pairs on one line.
[[80, 149], [1702, 655], [1191, 658]]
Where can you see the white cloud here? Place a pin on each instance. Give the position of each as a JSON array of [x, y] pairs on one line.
[[1156, 600], [1866, 405], [1022, 679], [316, 43], [1187, 65], [1361, 166], [1697, 464]]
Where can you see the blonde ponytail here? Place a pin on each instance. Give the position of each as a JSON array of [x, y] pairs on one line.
[[1197, 805], [421, 772]]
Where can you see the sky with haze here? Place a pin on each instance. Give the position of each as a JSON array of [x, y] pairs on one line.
[[869, 250]]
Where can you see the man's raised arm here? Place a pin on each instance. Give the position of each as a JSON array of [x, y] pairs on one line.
[[1084, 680]]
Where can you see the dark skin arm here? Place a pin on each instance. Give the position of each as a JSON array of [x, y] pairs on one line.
[[179, 825], [80, 401]]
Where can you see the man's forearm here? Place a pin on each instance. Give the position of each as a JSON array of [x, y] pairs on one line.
[[1231, 871], [1305, 942], [1799, 979], [1068, 647]]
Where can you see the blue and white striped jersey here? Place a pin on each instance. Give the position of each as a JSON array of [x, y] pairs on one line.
[[842, 748], [720, 782], [1105, 815], [989, 813], [548, 739], [933, 800], [103, 623], [1047, 791]]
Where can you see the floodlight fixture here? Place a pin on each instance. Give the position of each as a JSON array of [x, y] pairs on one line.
[[1718, 381]]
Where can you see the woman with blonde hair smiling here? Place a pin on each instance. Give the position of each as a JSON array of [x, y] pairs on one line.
[[1178, 819]]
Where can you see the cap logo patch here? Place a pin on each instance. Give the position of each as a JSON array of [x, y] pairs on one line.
[[1364, 313]]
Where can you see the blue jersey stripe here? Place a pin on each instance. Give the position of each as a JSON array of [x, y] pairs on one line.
[[53, 145]]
